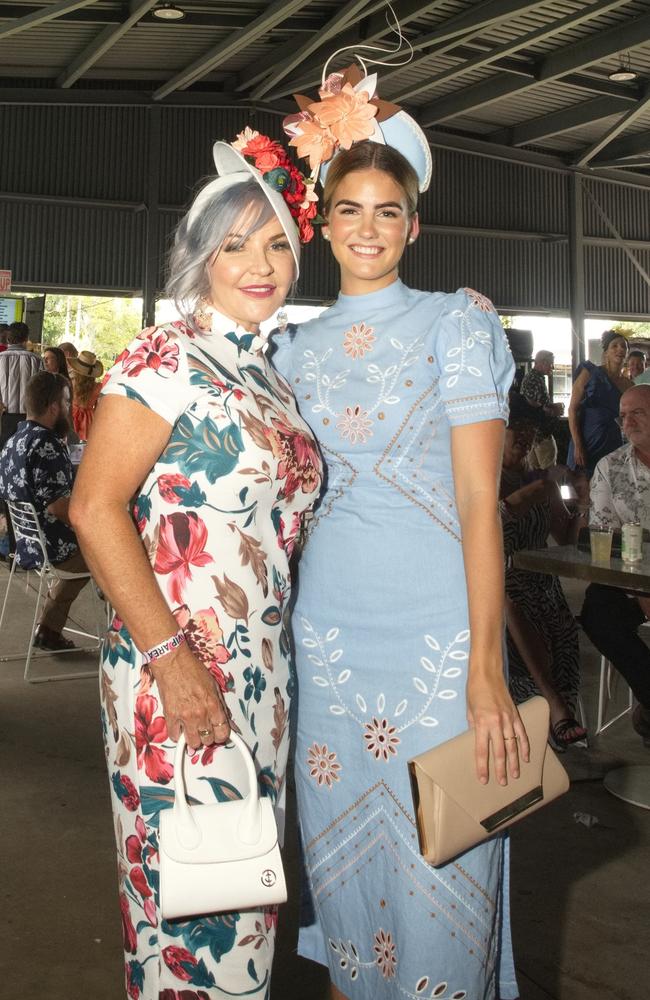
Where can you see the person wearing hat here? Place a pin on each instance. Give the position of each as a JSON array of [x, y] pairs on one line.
[[406, 392], [189, 535], [84, 370], [594, 405]]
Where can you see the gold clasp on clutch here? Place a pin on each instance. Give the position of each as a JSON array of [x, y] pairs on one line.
[[513, 809]]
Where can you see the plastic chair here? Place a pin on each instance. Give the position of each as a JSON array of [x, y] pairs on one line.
[[26, 527]]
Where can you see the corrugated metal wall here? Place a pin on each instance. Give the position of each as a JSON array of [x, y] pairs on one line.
[[103, 156]]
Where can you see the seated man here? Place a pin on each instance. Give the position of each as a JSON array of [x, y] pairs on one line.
[[620, 492], [35, 467]]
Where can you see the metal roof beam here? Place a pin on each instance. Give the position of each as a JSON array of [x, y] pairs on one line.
[[213, 18], [40, 16], [565, 60], [621, 149], [560, 121], [374, 27], [272, 16], [588, 154], [106, 39], [508, 48], [282, 68]]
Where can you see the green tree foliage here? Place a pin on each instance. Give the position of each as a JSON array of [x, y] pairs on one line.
[[101, 325]]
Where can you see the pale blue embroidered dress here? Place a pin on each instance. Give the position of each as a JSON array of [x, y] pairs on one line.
[[382, 640]]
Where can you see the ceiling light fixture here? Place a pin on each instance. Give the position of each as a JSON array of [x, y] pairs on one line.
[[168, 12], [624, 72]]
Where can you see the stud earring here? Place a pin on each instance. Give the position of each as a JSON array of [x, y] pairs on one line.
[[326, 237], [411, 239]]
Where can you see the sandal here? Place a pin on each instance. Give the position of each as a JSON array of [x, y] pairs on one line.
[[567, 731]]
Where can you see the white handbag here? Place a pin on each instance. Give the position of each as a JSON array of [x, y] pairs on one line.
[[221, 857]]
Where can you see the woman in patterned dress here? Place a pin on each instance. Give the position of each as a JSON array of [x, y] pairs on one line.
[[201, 439], [406, 392], [543, 650]]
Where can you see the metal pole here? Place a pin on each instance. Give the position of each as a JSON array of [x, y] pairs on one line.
[[576, 269], [152, 230]]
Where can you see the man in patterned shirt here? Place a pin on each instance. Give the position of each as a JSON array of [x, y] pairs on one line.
[[35, 467], [620, 492], [535, 392]]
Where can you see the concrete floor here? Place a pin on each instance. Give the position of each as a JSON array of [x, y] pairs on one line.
[[579, 898]]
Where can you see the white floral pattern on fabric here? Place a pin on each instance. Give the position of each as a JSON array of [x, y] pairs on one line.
[[620, 490], [218, 516]]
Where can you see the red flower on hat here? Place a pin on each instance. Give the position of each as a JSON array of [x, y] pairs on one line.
[[277, 170]]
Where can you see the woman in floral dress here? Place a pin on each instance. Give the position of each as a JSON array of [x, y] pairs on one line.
[[399, 619], [197, 427]]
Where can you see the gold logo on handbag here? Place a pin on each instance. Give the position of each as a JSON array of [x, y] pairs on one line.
[[454, 811]]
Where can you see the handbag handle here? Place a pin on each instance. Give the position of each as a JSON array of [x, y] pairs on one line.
[[250, 824]]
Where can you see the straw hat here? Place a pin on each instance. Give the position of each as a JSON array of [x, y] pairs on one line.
[[86, 364]]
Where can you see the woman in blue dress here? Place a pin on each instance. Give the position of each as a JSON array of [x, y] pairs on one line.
[[406, 392], [593, 410]]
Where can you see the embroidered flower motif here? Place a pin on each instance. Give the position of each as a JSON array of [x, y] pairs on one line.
[[155, 352], [380, 739], [322, 764], [384, 948], [480, 301], [358, 340], [355, 424]]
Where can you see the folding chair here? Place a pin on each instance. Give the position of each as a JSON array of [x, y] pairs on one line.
[[609, 681], [26, 527]]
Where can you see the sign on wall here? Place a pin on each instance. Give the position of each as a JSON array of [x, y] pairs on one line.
[[11, 310], [5, 281]]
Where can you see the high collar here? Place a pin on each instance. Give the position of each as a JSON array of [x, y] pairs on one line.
[[210, 321], [374, 300]]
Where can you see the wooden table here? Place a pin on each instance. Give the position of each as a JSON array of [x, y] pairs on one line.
[[631, 784]]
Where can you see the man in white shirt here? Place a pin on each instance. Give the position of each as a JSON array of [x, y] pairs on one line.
[[620, 492], [17, 365]]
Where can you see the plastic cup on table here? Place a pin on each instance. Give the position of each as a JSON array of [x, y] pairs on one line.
[[600, 538]]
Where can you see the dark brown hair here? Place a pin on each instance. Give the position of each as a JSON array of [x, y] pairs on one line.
[[61, 360], [18, 333], [43, 389], [372, 156]]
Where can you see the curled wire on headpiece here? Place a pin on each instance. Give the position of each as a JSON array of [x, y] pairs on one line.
[[396, 29]]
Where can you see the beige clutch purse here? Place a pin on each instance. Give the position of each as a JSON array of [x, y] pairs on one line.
[[454, 811]]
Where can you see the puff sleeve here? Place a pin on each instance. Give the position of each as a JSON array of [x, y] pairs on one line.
[[153, 370], [476, 366]]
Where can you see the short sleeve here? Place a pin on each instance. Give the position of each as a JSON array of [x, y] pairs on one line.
[[153, 371], [51, 473], [476, 366]]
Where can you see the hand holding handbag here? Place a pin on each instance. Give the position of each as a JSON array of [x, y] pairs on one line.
[[220, 857], [454, 811]]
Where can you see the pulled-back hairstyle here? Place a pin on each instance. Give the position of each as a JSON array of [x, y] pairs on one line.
[[242, 209], [608, 338], [372, 156]]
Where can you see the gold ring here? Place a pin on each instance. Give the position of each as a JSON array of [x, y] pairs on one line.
[[217, 724], [510, 738], [205, 732]]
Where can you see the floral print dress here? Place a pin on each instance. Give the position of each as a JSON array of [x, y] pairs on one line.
[[218, 516], [382, 641]]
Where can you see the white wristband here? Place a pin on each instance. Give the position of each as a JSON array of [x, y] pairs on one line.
[[166, 646]]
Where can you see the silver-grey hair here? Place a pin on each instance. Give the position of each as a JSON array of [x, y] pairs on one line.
[[195, 245]]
